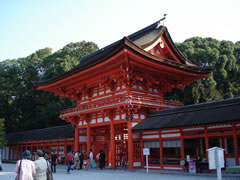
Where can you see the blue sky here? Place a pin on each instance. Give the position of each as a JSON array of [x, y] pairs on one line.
[[29, 25]]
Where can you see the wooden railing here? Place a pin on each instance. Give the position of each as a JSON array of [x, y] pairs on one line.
[[121, 100]]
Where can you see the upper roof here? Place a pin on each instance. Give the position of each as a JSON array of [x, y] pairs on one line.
[[192, 115], [58, 132], [136, 41]]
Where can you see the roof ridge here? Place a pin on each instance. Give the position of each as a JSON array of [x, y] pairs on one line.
[[42, 129], [212, 105]]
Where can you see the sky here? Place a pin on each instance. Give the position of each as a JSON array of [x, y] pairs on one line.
[[29, 25]]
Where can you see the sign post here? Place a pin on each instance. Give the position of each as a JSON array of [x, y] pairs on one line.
[[146, 153], [216, 160]]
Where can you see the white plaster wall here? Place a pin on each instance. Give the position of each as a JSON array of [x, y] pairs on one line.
[[99, 120], [151, 136], [136, 135], [171, 135], [137, 164], [82, 130], [82, 138], [106, 119]]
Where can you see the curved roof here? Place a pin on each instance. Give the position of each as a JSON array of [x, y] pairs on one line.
[[193, 115], [57, 132], [137, 41]]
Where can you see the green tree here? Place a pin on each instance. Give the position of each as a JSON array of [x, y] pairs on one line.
[[224, 57], [3, 141], [66, 58], [22, 106]]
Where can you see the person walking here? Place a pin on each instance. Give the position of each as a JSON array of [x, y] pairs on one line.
[[99, 160], [25, 168], [69, 161], [53, 162], [81, 156], [46, 156], [76, 160], [41, 166], [102, 158], [92, 162], [88, 165]]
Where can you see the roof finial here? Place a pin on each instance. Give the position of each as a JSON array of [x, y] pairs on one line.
[[161, 21]]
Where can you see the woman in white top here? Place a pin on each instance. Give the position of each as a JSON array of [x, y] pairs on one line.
[[92, 162], [91, 154], [41, 166], [25, 168]]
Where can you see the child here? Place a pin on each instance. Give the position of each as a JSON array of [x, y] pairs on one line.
[[88, 163]]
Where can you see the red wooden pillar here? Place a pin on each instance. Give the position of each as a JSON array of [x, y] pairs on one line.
[[12, 155], [57, 149], [5, 153], [17, 156], [235, 140], [2, 153], [21, 151], [76, 142], [206, 142], [88, 137], [161, 150], [141, 138], [113, 150], [31, 148], [44, 147], [9, 152], [182, 145], [50, 150], [65, 152], [130, 144]]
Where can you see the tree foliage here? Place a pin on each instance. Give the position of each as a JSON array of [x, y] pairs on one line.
[[224, 82], [3, 141], [22, 106]]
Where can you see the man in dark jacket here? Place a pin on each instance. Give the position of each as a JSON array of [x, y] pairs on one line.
[[102, 158], [53, 162], [81, 159]]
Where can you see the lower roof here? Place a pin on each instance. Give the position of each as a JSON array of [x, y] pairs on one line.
[[192, 115], [58, 132]]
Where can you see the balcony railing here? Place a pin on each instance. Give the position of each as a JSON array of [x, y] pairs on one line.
[[119, 101]]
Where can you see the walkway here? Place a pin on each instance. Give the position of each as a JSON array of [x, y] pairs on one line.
[[117, 174]]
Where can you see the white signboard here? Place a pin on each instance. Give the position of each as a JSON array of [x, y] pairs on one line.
[[188, 158], [215, 158], [146, 151]]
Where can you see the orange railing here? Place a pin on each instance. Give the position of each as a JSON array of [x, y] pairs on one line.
[[121, 100]]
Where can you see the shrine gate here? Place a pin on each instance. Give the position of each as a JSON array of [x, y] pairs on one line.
[[116, 86]]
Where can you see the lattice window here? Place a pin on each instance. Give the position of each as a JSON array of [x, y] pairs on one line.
[[137, 151]]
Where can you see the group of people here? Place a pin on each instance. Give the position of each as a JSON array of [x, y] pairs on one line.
[[26, 169], [101, 159], [76, 160]]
